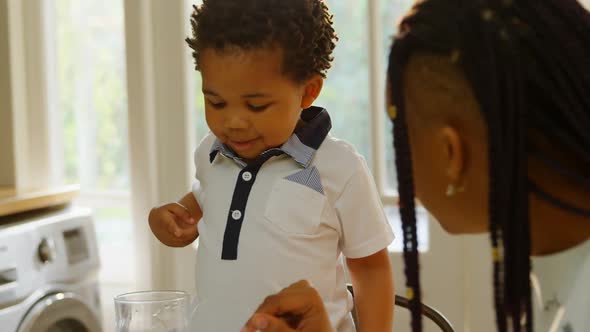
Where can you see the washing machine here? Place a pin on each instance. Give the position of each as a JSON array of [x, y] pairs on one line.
[[48, 272]]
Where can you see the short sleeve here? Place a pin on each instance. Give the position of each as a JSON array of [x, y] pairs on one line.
[[365, 228], [197, 191], [201, 158]]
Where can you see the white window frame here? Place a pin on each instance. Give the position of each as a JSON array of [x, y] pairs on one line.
[[377, 101], [29, 110], [159, 77]]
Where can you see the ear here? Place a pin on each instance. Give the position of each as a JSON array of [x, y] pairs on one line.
[[311, 91], [455, 154]]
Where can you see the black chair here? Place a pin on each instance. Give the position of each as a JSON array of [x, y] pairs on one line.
[[434, 315]]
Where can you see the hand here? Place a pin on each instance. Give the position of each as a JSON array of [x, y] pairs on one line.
[[298, 307], [173, 225]]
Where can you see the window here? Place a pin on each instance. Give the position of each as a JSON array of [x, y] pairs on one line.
[[346, 94], [200, 125], [392, 12], [346, 91], [92, 103]]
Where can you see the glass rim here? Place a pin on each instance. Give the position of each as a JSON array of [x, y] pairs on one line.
[[174, 296]]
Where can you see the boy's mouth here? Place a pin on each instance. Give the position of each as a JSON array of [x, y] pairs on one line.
[[242, 145]]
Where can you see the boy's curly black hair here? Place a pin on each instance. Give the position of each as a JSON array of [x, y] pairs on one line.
[[301, 28]]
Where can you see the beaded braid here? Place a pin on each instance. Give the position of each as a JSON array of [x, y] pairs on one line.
[[508, 133], [522, 83], [403, 163]]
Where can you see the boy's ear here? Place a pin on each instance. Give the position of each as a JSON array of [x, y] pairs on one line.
[[311, 90]]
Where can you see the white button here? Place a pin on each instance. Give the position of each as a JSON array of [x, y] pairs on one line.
[[247, 176], [236, 215]]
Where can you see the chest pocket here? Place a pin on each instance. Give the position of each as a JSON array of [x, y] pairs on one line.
[[295, 208]]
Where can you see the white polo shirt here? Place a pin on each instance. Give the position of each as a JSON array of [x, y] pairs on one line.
[[287, 216], [561, 290]]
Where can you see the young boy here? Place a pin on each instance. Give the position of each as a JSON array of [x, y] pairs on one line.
[[276, 198]]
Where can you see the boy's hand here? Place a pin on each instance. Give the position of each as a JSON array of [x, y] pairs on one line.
[[173, 225]]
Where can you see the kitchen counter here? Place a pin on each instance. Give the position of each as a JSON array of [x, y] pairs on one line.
[[12, 202]]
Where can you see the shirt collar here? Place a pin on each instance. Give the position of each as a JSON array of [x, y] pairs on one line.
[[301, 146]]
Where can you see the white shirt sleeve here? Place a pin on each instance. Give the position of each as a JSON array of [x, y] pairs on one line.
[[365, 228], [201, 156]]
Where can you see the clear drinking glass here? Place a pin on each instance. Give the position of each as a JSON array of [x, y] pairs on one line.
[[153, 311]]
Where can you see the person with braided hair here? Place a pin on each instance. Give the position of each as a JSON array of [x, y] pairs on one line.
[[490, 104], [275, 197]]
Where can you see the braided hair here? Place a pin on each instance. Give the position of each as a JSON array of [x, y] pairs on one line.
[[526, 86]]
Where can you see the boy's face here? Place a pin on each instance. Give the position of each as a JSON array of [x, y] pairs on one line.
[[250, 104]]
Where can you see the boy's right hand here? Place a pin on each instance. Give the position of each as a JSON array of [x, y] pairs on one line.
[[173, 225]]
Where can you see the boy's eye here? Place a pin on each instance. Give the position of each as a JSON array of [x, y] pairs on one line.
[[216, 105], [256, 108]]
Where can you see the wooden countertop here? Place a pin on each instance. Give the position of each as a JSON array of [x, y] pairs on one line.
[[12, 202]]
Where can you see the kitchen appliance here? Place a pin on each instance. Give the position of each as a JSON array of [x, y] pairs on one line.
[[48, 271]]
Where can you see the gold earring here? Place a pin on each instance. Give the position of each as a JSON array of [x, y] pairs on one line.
[[392, 112], [452, 190]]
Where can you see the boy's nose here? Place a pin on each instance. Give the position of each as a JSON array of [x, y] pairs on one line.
[[236, 120]]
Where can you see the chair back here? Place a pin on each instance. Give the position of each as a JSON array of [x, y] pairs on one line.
[[429, 312]]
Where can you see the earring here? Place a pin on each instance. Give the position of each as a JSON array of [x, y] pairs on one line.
[[452, 190], [392, 112]]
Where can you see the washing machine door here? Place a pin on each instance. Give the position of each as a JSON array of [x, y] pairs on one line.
[[60, 312]]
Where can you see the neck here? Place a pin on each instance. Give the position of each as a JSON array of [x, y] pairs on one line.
[[554, 229]]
